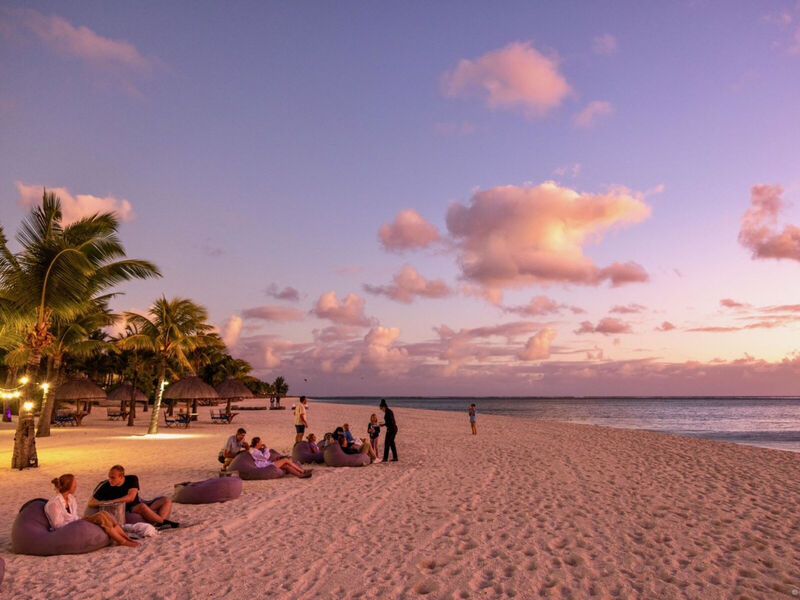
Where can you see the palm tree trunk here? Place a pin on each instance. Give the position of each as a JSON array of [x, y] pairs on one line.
[[12, 372], [24, 454], [46, 416], [153, 429], [132, 409]]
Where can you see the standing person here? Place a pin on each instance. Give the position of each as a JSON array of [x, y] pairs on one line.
[[472, 421], [373, 431], [391, 432], [63, 509], [125, 488], [233, 446], [300, 420]]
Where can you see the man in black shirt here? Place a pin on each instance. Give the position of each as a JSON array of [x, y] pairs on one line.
[[391, 432], [125, 488]]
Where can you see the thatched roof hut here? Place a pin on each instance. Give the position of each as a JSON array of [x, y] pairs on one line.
[[191, 389], [79, 390], [122, 393], [233, 389]]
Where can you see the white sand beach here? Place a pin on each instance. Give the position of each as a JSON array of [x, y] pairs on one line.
[[526, 509]]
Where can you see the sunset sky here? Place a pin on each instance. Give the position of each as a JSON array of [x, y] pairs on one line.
[[436, 198]]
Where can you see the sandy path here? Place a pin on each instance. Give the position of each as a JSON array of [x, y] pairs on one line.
[[527, 509]]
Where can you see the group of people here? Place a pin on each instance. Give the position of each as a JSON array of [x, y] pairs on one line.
[[344, 437], [262, 457], [117, 489]]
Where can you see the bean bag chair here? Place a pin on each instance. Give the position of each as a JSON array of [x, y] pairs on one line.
[[336, 457], [302, 454], [246, 467], [219, 489], [31, 534]]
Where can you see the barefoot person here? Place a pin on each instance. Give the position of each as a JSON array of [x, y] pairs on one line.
[[125, 488], [63, 509], [373, 431], [233, 446], [261, 456], [300, 419], [391, 432], [355, 448], [472, 422]]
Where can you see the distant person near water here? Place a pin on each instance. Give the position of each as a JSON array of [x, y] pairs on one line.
[[300, 420], [472, 421], [391, 432]]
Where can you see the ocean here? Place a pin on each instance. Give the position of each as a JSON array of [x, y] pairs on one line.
[[770, 422]]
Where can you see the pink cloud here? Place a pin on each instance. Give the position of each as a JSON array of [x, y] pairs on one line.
[[408, 231], [273, 313], [587, 117], [514, 236], [604, 44], [335, 333], [730, 303], [759, 227], [287, 293], [665, 326], [349, 311], [713, 329], [231, 331], [408, 284], [516, 77], [541, 305], [81, 42], [538, 346], [572, 170], [74, 208], [606, 326], [628, 309], [378, 352]]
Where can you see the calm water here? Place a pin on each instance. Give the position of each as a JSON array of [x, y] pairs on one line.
[[768, 422]]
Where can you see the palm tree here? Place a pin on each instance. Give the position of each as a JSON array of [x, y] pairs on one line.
[[59, 268], [73, 337], [172, 329], [281, 388]]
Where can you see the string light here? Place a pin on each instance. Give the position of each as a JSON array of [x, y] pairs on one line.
[[13, 393]]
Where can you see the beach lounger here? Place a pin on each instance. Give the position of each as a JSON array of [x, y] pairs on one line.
[[170, 421], [66, 417], [220, 416], [115, 414]]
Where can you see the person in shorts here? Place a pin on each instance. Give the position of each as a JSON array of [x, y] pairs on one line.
[[472, 421], [300, 419], [125, 488]]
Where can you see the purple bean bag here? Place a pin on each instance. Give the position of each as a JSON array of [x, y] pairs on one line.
[[219, 489], [336, 457], [31, 534], [246, 466], [302, 454]]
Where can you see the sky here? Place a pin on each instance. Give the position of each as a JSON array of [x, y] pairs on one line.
[[449, 198]]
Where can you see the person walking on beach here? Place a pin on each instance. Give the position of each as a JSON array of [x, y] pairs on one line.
[[472, 421], [300, 420], [391, 432]]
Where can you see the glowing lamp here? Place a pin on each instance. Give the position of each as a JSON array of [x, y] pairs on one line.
[[24, 380], [28, 406], [45, 387]]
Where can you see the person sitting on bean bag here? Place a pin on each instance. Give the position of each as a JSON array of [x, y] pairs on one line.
[[312, 443], [125, 488], [63, 509], [261, 456], [364, 448]]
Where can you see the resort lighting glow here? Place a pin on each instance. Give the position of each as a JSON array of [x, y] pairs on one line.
[[24, 380], [45, 387], [28, 406]]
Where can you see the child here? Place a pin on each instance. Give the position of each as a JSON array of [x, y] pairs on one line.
[[472, 422], [373, 431]]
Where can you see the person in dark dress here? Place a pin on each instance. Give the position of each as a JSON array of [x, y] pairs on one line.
[[391, 432], [125, 488]]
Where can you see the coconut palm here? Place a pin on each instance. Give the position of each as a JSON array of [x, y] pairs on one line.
[[73, 337], [58, 269], [172, 330]]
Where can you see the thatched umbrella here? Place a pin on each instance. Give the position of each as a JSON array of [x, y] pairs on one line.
[[232, 389], [122, 394], [77, 390], [191, 389]]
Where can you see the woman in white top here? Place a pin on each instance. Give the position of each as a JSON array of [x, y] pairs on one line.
[[260, 454], [63, 509]]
